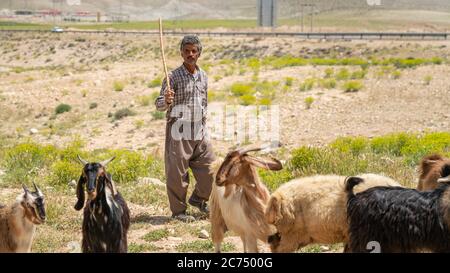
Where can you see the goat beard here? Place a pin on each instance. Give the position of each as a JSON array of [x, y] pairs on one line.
[[92, 195]]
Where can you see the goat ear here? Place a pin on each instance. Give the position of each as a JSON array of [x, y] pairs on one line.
[[110, 182], [80, 193], [268, 164], [273, 209]]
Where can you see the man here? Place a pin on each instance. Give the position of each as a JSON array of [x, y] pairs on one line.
[[187, 144]]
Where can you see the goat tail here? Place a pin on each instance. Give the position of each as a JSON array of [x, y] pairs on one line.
[[350, 183]]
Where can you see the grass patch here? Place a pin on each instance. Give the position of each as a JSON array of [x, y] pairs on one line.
[[140, 248], [352, 86], [156, 235], [203, 246], [307, 84], [122, 113]]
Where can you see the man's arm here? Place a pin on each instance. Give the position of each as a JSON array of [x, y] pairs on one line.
[[160, 102]]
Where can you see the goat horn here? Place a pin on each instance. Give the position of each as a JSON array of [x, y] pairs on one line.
[[82, 161], [244, 151], [25, 188], [106, 162], [36, 188]]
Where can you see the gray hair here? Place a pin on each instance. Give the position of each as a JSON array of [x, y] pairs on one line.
[[191, 39]]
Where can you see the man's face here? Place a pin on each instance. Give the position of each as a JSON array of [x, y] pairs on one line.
[[190, 54]]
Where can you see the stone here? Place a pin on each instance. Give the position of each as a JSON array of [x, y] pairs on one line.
[[33, 131], [72, 184], [203, 234]]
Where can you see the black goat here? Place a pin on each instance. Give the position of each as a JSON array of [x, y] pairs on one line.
[[106, 217], [398, 219]]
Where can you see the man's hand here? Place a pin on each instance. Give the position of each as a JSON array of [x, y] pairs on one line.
[[168, 96]]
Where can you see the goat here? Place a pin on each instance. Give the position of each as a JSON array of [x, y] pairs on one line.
[[433, 168], [106, 216], [398, 219], [238, 199], [312, 210], [18, 222]]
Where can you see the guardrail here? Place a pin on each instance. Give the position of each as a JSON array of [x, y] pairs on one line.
[[302, 35]]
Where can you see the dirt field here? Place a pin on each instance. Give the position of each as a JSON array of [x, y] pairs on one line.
[[38, 73]]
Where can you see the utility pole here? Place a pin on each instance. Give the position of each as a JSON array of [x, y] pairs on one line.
[[302, 5], [312, 7], [120, 10]]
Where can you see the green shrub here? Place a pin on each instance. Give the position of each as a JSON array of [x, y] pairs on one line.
[[274, 179], [62, 172], [308, 84], [308, 102], [265, 101], [62, 108], [288, 81], [352, 86], [396, 74], [157, 82], [241, 89], [158, 115], [329, 72], [247, 99], [145, 100], [130, 165], [216, 96], [354, 145], [118, 86], [93, 105], [24, 162], [122, 113], [310, 161], [327, 83], [139, 123], [427, 79], [343, 74], [357, 75]]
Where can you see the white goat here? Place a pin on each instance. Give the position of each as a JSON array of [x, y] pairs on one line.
[[313, 210], [238, 200], [17, 223]]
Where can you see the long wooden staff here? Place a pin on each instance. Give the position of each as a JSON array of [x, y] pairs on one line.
[[162, 53]]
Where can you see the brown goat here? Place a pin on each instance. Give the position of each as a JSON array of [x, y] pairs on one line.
[[18, 222], [433, 169], [238, 199]]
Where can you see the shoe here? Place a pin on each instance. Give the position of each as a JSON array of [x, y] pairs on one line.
[[183, 217], [200, 204]]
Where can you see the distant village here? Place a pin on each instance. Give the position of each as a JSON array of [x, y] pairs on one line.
[[59, 15]]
